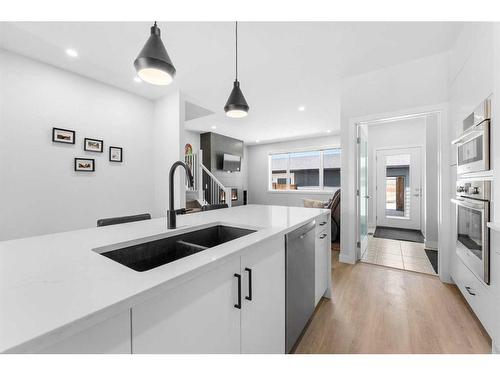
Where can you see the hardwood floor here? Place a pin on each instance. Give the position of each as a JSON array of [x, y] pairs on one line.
[[376, 309]]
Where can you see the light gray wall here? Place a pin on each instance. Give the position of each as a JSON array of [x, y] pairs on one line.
[[39, 190], [258, 171]]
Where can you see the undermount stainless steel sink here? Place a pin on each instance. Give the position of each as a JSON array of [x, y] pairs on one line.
[[148, 255]]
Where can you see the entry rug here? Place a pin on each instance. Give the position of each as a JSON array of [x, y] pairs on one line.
[[399, 234]]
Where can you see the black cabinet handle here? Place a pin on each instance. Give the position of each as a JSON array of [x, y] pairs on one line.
[[322, 223], [249, 297], [468, 290], [238, 305]]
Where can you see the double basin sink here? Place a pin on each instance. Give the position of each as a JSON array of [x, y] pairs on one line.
[[148, 255]]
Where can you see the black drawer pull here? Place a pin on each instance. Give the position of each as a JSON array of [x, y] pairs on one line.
[[322, 223], [468, 288], [249, 297], [322, 236], [238, 305]]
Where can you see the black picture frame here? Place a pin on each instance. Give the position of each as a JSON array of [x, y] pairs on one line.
[[84, 170], [59, 140], [111, 148], [85, 148]]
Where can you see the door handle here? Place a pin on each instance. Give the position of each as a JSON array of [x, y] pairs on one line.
[[468, 288], [238, 305], [322, 223], [322, 236], [249, 297]]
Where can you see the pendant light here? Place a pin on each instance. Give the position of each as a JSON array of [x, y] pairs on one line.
[[153, 64], [236, 105]]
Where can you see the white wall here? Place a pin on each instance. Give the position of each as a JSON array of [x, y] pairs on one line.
[[258, 171], [413, 84], [192, 138], [39, 190], [431, 191], [403, 133], [419, 85], [167, 148], [474, 75]]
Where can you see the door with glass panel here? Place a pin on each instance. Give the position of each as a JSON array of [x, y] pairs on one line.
[[362, 190], [399, 188]]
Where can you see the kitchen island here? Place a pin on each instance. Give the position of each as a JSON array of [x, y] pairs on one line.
[[59, 294]]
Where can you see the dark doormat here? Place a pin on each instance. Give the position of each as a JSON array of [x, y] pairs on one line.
[[399, 234], [433, 258]]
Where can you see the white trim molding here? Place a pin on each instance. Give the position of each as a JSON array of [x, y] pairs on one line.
[[349, 217]]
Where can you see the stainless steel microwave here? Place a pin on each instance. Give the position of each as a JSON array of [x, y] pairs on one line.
[[473, 146]]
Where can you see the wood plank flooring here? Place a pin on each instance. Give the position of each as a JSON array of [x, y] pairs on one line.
[[376, 309]]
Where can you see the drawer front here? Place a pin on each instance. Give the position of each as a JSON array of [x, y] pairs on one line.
[[321, 223], [321, 264], [475, 292]]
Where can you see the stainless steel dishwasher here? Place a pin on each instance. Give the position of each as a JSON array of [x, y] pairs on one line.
[[299, 281]]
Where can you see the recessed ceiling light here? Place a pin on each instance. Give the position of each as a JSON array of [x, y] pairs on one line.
[[257, 141], [328, 131], [214, 127], [301, 108], [71, 52], [137, 79]]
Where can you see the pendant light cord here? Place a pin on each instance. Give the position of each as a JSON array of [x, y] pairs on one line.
[[236, 32]]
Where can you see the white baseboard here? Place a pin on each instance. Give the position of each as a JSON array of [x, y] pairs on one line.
[[494, 348], [346, 258], [431, 245]]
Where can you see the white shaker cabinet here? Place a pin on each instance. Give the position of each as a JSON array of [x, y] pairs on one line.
[[197, 316], [321, 254], [238, 307], [263, 298]]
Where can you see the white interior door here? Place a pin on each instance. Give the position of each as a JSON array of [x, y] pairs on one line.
[[362, 189], [399, 187]]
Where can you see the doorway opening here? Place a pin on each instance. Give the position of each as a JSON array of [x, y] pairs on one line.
[[398, 192]]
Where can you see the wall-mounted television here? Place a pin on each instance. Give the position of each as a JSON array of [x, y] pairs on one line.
[[231, 163]]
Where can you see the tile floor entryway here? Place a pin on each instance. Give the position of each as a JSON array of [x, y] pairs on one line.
[[404, 255]]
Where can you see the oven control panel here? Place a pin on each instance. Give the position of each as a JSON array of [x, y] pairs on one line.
[[477, 189]]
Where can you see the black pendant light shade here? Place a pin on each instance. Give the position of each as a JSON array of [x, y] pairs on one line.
[[153, 65], [236, 105]]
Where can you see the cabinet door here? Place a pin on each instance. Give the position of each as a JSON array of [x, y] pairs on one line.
[[321, 264], [196, 317], [263, 312], [111, 336]]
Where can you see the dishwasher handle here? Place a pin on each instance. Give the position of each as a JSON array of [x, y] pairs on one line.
[[303, 231]]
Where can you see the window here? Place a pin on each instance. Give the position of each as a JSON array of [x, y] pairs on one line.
[[317, 170]]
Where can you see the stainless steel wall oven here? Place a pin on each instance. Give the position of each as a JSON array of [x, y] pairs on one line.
[[472, 215]]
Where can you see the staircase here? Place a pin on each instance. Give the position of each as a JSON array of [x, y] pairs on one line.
[[208, 188]]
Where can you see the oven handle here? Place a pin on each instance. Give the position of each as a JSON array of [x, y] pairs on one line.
[[467, 203]]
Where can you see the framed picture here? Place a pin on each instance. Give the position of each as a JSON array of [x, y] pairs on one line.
[[115, 154], [94, 145], [63, 135], [84, 165]]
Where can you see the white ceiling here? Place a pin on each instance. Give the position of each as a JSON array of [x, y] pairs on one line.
[[282, 65]]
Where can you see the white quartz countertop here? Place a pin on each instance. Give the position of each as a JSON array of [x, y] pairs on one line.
[[55, 285]]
